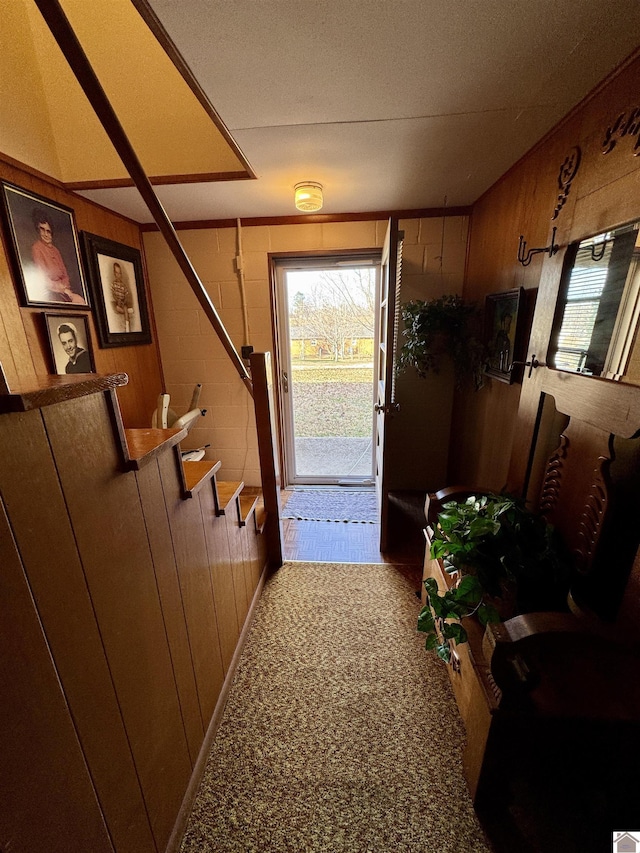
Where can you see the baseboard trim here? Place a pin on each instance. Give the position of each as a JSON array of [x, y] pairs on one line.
[[180, 825]]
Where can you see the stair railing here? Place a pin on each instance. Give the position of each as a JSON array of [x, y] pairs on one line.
[[70, 46]]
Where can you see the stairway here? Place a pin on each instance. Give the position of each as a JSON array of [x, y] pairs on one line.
[[127, 583]]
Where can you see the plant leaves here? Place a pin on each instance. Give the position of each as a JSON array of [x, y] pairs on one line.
[[431, 642], [439, 605], [431, 585], [426, 622], [443, 651], [483, 527], [469, 591], [487, 613], [454, 631]]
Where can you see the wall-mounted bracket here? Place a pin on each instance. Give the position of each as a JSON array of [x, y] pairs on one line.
[[525, 256]]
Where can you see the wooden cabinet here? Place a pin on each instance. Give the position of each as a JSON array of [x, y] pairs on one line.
[[475, 691]]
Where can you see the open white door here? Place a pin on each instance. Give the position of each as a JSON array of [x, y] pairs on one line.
[[387, 335]]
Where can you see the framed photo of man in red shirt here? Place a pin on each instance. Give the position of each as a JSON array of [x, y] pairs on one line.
[[45, 251]]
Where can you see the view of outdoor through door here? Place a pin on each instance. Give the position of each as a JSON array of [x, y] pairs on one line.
[[327, 310]]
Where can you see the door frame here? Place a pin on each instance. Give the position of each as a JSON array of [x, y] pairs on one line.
[[308, 258], [387, 330]]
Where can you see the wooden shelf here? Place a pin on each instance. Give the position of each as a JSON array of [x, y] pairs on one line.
[[197, 473], [47, 390], [143, 444], [249, 498], [224, 493]]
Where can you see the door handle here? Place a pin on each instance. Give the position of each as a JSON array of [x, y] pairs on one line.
[[532, 365], [285, 382], [387, 409]]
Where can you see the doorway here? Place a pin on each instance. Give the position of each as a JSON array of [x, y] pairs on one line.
[[327, 312]]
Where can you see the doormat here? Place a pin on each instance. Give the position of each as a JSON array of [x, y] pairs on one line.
[[332, 505]]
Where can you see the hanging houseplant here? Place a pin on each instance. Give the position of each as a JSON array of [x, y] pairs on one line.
[[439, 329], [499, 551]]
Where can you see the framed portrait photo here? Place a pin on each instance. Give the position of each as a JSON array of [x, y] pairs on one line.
[[70, 343], [119, 296], [503, 333], [43, 244]]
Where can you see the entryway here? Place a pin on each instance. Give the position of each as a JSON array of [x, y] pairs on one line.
[[326, 321], [337, 327]]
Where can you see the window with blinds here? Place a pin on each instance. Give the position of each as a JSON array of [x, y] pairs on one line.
[[586, 285]]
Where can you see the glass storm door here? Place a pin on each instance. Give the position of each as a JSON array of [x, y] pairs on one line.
[[327, 342]]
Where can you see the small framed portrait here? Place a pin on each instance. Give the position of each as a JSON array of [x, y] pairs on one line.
[[43, 244], [503, 333], [119, 296], [70, 343]]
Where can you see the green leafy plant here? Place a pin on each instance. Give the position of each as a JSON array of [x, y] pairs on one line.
[[440, 618], [496, 544], [445, 327]]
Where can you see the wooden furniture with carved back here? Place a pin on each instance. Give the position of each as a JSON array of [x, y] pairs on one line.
[[571, 678]]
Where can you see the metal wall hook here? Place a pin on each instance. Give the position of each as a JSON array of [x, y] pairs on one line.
[[525, 256], [598, 254]]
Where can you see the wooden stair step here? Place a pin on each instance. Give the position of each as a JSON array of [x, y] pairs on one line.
[[143, 444], [248, 501], [224, 493], [196, 473]]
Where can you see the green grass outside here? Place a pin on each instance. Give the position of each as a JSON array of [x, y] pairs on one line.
[[333, 401]]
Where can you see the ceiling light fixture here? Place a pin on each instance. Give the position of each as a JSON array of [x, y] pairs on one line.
[[308, 196]]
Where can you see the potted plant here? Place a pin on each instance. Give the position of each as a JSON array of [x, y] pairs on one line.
[[506, 560], [445, 327]]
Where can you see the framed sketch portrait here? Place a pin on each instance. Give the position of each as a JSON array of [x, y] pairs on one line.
[[119, 297], [70, 343], [503, 324], [43, 244]]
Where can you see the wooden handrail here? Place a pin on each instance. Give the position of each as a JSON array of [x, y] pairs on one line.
[[73, 52], [267, 450]]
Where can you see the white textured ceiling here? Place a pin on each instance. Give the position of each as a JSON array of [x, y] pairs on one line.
[[390, 104]]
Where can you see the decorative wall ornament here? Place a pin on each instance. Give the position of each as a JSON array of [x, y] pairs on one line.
[[626, 124], [568, 170]]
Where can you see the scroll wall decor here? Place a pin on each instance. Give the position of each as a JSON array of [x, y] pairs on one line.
[[626, 124], [568, 170]]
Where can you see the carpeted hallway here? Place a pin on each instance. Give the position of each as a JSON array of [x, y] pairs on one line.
[[340, 734]]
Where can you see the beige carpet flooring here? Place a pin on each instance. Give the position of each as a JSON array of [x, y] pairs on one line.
[[340, 734]]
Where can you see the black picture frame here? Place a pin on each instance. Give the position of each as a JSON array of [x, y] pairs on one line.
[[62, 328], [503, 320], [122, 318], [42, 240]]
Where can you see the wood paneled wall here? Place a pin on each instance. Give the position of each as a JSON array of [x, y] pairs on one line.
[[121, 606], [24, 349], [605, 192]]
